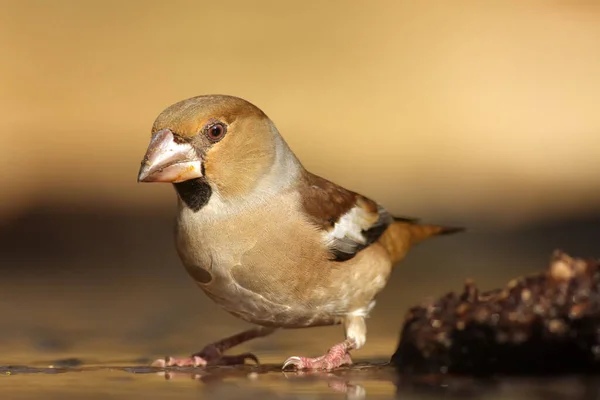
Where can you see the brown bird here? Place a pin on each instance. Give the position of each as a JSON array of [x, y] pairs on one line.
[[270, 242]]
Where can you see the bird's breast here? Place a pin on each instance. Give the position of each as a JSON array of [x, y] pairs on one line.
[[270, 268]]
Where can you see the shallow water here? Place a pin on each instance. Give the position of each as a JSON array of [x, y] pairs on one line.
[[363, 380], [266, 381]]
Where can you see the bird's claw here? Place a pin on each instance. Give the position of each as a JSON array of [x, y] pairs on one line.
[[293, 361], [168, 361]]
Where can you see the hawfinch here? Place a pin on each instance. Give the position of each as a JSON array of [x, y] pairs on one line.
[[270, 242]]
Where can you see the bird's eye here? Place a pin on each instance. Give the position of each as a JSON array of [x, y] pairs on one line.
[[215, 132]]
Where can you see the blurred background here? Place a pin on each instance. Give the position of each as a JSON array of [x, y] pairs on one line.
[[482, 114]]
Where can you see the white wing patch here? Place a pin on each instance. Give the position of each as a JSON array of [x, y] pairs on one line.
[[351, 226], [350, 232]]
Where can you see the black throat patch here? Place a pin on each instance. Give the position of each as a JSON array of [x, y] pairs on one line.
[[195, 193]]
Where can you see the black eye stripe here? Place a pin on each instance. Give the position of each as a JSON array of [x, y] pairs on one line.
[[180, 139]]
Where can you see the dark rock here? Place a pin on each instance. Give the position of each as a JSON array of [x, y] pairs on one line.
[[541, 324]]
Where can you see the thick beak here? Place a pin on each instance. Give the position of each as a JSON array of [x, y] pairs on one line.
[[169, 161]]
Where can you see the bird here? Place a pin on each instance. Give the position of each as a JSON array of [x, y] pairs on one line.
[[270, 242]]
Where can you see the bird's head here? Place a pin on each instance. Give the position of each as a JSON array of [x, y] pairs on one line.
[[215, 140]]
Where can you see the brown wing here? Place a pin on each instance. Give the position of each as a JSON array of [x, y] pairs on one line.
[[349, 221]]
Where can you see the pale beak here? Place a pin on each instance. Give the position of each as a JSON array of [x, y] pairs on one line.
[[169, 161]]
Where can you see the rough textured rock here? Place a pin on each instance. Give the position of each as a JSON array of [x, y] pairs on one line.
[[544, 323]]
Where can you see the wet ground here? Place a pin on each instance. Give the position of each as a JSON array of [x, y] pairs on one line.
[[89, 298], [363, 380]]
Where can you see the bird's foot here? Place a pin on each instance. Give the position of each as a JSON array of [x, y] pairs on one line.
[[198, 361], [169, 361], [337, 356], [213, 353]]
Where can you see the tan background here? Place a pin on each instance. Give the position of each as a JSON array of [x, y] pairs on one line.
[[434, 108], [480, 113]]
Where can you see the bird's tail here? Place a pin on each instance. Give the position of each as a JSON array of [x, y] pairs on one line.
[[403, 234]]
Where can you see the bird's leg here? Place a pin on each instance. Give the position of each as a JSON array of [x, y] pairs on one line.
[[212, 354], [356, 335]]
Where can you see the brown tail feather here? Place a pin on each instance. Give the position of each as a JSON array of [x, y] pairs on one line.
[[402, 235]]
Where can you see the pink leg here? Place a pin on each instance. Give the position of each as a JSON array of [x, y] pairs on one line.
[[336, 356], [212, 354]]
